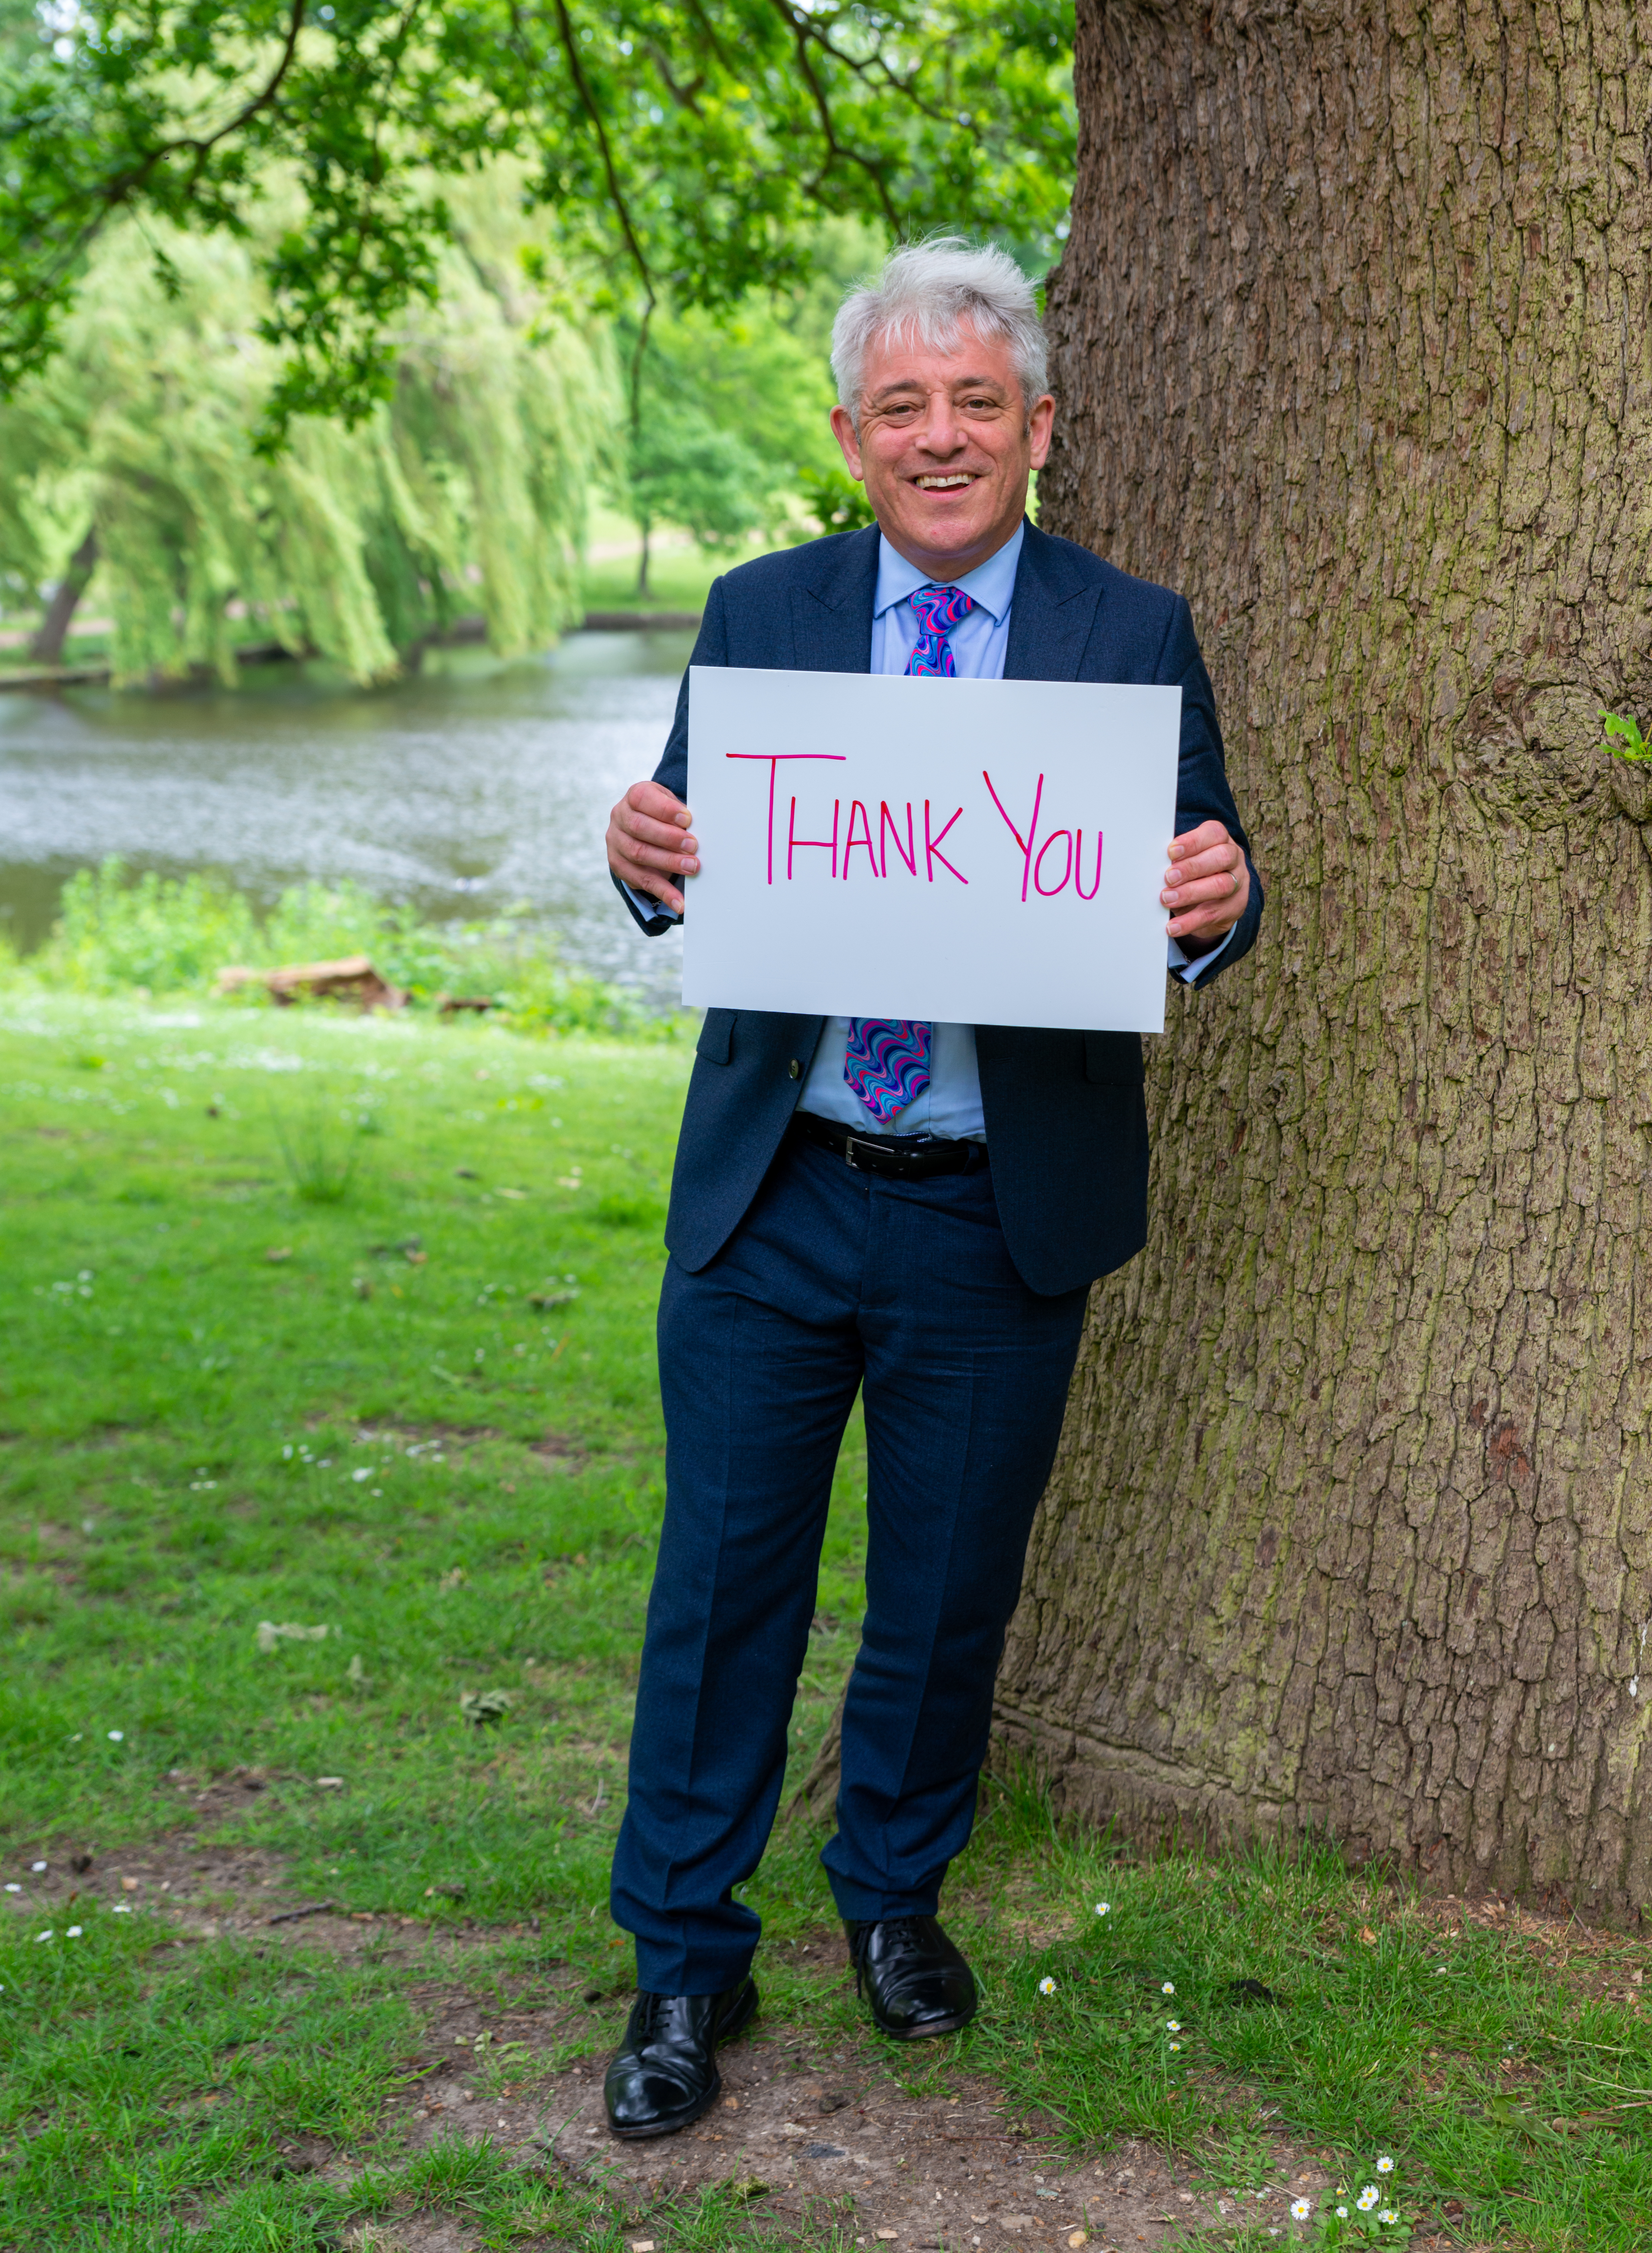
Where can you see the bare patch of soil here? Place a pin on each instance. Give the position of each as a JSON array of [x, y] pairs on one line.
[[807, 2133], [202, 1893], [815, 2133]]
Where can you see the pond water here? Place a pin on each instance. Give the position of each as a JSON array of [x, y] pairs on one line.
[[471, 788]]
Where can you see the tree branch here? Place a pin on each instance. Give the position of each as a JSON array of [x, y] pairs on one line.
[[822, 109], [113, 193], [622, 208], [118, 190]]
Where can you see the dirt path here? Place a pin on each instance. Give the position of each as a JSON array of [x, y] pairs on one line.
[[810, 2135]]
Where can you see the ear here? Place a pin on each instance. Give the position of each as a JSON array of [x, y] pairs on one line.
[[1039, 422], [843, 431]]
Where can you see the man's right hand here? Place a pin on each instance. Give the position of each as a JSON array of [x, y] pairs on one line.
[[649, 842]]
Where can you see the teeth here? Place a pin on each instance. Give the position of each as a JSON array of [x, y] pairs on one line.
[[942, 484]]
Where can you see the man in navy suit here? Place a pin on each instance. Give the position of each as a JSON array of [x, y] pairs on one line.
[[915, 1211]]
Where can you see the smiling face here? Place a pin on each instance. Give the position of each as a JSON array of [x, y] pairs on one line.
[[945, 446]]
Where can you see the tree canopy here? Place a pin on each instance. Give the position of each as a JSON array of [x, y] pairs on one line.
[[680, 147]]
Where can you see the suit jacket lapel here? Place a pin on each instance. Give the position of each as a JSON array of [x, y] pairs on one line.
[[831, 616], [1052, 614]]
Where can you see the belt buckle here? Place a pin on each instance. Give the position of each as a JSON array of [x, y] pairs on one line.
[[849, 1149]]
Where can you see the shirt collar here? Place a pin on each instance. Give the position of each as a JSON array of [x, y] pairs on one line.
[[991, 584]]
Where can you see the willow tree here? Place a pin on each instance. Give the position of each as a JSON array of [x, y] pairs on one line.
[[139, 449], [1349, 1528]]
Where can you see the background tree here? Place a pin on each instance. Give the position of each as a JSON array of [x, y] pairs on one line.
[[680, 468], [681, 148], [466, 490], [733, 409], [1351, 1524]]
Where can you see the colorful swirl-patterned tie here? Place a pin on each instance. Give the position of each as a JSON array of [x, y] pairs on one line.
[[938, 609], [887, 1062]]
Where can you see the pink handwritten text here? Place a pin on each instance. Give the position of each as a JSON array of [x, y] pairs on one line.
[[1033, 856]]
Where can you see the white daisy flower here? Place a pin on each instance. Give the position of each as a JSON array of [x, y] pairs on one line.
[[117, 1736], [1368, 2198], [1168, 1988], [1174, 2047], [1046, 1987], [1300, 2209], [1388, 2216], [1384, 2165], [1173, 2025], [1342, 2213], [73, 1932], [43, 1935], [1104, 1908], [122, 1908]]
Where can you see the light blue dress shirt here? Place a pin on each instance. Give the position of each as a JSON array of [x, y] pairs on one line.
[[950, 1104]]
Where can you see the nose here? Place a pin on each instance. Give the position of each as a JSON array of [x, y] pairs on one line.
[[942, 433]]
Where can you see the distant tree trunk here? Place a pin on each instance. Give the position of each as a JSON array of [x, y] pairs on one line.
[[46, 648], [642, 569], [1352, 1523]]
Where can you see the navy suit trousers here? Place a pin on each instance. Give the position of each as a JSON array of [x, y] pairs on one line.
[[834, 1281]]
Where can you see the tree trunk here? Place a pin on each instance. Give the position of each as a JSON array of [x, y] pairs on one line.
[[641, 566], [1349, 1529], [46, 648]]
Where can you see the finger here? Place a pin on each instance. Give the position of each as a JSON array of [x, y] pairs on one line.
[[654, 799], [1201, 923], [651, 884], [1220, 862], [1221, 890], [659, 834], [1208, 920], [1202, 840], [654, 868]]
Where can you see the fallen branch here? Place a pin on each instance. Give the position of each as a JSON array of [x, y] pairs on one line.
[[292, 1916], [352, 977]]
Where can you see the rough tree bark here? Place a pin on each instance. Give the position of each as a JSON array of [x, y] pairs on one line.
[[1351, 1524]]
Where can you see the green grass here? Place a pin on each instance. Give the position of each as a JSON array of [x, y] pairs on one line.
[[430, 1426]]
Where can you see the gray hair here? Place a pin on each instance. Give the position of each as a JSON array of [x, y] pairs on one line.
[[927, 292]]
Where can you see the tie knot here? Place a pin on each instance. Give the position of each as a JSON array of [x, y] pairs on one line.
[[940, 609], [937, 609]]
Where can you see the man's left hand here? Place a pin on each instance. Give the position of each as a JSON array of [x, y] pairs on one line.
[[1207, 888]]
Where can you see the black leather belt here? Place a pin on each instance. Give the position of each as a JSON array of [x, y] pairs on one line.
[[905, 1157]]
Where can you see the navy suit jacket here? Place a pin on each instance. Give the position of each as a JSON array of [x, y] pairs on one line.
[[1066, 1122]]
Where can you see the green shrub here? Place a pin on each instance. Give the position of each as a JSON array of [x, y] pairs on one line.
[[173, 935], [164, 933]]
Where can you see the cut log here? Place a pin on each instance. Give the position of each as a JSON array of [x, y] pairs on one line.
[[352, 977]]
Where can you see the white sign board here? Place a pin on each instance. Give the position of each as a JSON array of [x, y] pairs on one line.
[[984, 852]]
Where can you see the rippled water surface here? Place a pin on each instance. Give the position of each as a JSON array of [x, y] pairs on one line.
[[471, 788]]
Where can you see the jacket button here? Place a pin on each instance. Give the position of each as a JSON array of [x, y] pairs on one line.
[[794, 1070]]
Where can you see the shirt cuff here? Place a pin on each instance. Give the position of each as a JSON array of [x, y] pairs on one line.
[[1191, 972], [645, 904]]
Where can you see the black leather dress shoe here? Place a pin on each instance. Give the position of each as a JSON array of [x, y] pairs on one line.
[[665, 2073], [915, 1979]]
